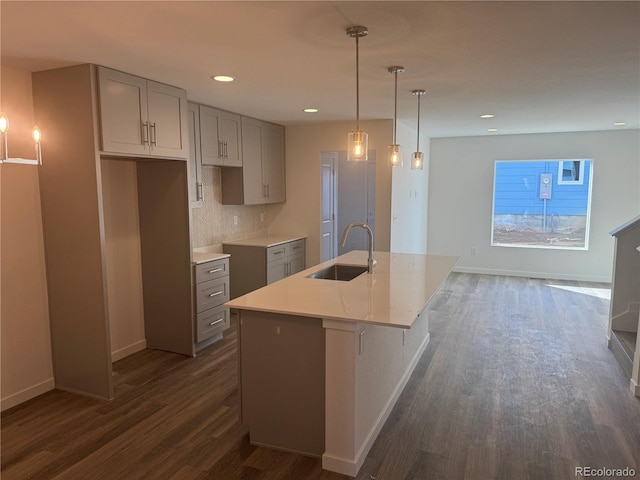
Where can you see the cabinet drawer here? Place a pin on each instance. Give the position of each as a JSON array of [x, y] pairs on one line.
[[210, 270], [296, 247], [211, 294], [211, 322], [277, 252]]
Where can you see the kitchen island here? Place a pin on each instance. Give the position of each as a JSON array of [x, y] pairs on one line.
[[322, 362]]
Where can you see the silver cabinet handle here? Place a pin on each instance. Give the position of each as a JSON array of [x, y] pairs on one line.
[[145, 133], [226, 150], [199, 191], [216, 270], [216, 294], [211, 324], [220, 154], [267, 189], [154, 137], [279, 252]]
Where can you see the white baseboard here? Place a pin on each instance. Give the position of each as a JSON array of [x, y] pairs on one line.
[[350, 467], [128, 350], [541, 275], [635, 388], [27, 394]]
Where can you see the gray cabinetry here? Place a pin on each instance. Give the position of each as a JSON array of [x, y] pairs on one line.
[[196, 193], [255, 265], [284, 260], [141, 117], [211, 292], [81, 289], [262, 177], [220, 137]]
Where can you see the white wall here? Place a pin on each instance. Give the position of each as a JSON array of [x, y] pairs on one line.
[[26, 365], [461, 190], [300, 215], [409, 196]]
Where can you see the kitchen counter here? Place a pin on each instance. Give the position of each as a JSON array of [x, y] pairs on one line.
[[323, 362], [265, 241], [393, 295], [206, 254]]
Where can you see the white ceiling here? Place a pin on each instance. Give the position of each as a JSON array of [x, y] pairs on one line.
[[538, 66]]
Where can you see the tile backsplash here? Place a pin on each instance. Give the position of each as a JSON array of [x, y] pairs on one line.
[[213, 223]]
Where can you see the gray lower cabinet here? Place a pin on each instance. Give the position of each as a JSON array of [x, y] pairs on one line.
[[211, 292], [254, 266]]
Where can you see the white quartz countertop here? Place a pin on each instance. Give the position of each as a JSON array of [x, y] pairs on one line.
[[208, 253], [265, 240], [398, 290]]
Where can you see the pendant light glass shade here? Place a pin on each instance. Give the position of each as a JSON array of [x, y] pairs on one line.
[[417, 161], [358, 146], [394, 151], [358, 140], [417, 158], [394, 155]]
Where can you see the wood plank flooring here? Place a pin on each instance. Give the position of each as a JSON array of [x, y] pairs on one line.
[[517, 383]]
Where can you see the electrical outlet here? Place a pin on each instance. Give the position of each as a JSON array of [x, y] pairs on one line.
[[474, 250], [235, 219], [262, 217]]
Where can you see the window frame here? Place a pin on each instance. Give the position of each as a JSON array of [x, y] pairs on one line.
[[493, 243]]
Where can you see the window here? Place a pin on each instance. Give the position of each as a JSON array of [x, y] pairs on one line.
[[542, 203], [570, 172]]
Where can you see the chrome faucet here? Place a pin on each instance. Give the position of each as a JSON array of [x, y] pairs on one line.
[[371, 261]]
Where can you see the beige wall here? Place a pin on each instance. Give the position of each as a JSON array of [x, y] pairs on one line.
[[26, 366], [213, 223], [300, 215], [123, 257], [460, 200]]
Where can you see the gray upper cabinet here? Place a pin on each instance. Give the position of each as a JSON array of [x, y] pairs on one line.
[[141, 117], [262, 177], [196, 193], [220, 137]]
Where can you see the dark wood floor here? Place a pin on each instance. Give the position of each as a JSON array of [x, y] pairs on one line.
[[517, 383]]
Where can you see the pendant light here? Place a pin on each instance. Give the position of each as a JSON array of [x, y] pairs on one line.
[[358, 140], [417, 158], [394, 151]]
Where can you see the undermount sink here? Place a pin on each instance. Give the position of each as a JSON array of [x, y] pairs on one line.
[[339, 271]]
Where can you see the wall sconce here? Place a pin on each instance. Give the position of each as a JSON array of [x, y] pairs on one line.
[[394, 151], [358, 140], [4, 142], [417, 158]]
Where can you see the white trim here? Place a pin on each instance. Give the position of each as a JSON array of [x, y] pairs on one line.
[[635, 388], [542, 275], [27, 394], [128, 350], [21, 161]]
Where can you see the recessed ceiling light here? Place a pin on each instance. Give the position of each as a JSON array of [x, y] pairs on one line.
[[492, 129], [619, 124], [223, 78], [487, 115], [310, 110]]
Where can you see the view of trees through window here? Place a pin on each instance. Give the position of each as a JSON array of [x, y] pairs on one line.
[[542, 203]]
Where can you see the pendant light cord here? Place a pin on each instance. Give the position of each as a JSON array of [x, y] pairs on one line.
[[395, 108], [357, 84], [418, 129]]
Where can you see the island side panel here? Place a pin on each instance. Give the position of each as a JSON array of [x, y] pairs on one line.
[[282, 377], [368, 366]]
